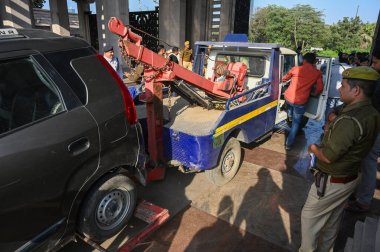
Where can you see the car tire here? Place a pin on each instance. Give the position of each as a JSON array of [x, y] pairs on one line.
[[107, 207], [228, 165]]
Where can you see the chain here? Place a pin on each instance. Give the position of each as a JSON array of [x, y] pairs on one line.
[[123, 51], [126, 58], [149, 35], [220, 106]]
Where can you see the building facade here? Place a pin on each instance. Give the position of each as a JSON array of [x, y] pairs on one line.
[[177, 21]]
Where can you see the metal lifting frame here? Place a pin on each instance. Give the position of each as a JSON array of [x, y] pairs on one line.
[[157, 69]]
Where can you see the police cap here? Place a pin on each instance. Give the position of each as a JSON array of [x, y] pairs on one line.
[[361, 73], [108, 48]]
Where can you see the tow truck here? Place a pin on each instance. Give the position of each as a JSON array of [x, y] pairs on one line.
[[200, 129], [239, 99]]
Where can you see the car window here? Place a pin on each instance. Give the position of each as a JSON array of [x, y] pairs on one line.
[[62, 62], [255, 64], [26, 94]]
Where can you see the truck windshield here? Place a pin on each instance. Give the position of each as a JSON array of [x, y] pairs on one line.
[[255, 64]]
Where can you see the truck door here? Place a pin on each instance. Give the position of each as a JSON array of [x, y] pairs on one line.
[[316, 106], [286, 63]]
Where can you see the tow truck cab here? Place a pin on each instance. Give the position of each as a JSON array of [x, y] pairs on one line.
[[265, 63]]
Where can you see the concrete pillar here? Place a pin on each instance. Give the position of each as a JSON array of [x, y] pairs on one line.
[[198, 20], [104, 10], [172, 22], [83, 12], [227, 18], [59, 17], [16, 13]]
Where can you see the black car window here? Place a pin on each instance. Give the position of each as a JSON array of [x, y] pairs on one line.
[[62, 62], [26, 94]]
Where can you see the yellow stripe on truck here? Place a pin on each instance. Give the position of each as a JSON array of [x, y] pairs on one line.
[[220, 130]]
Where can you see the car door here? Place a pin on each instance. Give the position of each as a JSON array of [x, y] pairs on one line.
[[316, 106], [46, 136]]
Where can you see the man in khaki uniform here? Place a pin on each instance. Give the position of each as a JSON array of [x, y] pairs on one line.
[[347, 140], [187, 57]]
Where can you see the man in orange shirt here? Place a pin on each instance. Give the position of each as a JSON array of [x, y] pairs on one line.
[[303, 79]]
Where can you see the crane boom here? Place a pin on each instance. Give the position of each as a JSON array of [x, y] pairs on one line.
[[168, 71]]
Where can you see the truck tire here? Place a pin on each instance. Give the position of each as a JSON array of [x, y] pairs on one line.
[[228, 165], [107, 207]]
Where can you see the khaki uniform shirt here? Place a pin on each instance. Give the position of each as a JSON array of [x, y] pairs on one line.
[[186, 54], [344, 143]]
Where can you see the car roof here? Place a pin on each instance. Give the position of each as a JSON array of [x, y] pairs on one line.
[[35, 39]]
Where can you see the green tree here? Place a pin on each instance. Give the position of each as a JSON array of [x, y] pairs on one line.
[[367, 32], [304, 26], [308, 27], [38, 3], [269, 25], [299, 26], [345, 34]]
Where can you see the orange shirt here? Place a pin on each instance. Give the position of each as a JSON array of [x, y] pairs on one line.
[[303, 79]]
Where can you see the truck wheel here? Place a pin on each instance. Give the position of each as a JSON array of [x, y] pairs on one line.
[[228, 165], [107, 207]]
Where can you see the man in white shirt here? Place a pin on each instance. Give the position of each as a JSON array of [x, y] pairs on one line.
[[337, 69], [108, 54]]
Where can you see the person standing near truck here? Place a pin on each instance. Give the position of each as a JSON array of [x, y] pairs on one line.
[[187, 56], [367, 185], [347, 140], [109, 55], [333, 95], [173, 56], [303, 78]]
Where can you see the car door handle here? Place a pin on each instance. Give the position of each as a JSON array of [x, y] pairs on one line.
[[79, 146]]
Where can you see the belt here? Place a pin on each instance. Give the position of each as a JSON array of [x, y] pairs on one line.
[[343, 180]]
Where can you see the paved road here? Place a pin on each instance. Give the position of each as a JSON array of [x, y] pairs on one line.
[[258, 211]]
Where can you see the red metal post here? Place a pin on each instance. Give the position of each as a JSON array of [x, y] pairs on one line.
[[154, 109]]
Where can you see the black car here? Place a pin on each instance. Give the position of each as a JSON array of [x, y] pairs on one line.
[[71, 148]]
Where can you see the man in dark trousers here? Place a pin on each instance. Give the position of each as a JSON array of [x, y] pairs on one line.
[[347, 140], [367, 185], [297, 94]]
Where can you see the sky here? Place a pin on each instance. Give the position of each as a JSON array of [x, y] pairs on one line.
[[334, 10]]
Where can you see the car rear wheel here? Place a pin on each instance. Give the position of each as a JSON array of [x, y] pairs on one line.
[[228, 164], [107, 207]]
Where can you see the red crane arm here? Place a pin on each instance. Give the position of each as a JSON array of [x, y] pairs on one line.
[[170, 70]]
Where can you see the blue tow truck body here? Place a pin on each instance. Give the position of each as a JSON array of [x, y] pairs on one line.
[[197, 138], [247, 121]]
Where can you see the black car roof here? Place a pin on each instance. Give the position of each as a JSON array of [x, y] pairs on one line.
[[40, 40]]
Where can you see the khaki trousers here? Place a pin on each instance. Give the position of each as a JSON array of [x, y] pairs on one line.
[[320, 218], [188, 65]]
